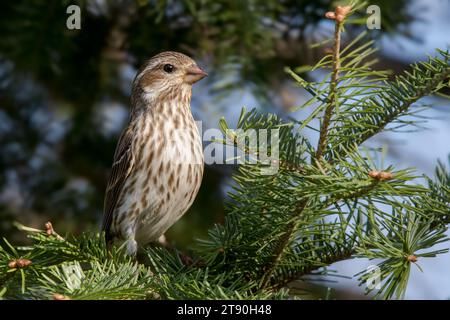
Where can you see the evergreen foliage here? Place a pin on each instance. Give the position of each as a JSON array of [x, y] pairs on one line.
[[64, 93], [326, 203]]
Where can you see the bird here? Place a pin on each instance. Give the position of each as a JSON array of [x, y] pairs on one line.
[[158, 162]]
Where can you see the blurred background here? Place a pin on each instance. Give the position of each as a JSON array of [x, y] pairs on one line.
[[64, 98]]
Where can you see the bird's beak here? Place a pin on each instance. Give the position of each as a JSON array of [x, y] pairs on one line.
[[194, 74]]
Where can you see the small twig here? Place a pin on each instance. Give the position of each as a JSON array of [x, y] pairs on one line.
[[51, 232], [48, 229], [307, 270], [389, 117], [352, 195], [338, 16], [283, 243], [282, 163]]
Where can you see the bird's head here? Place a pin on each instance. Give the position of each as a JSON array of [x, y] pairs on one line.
[[166, 75]]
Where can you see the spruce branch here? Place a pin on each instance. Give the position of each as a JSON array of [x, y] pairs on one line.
[[428, 88], [379, 189], [327, 260], [389, 101], [338, 16], [282, 244]]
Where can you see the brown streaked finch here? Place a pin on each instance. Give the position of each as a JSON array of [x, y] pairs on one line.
[[158, 162]]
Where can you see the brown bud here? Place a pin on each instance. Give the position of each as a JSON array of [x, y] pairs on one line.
[[330, 15], [385, 175], [22, 263], [343, 10], [374, 174], [49, 228], [19, 263], [411, 258], [221, 250], [381, 175], [58, 296], [339, 14], [340, 18]]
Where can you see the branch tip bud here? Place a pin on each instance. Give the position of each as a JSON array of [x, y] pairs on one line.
[[339, 14], [19, 263], [49, 228], [58, 296], [381, 175], [330, 15]]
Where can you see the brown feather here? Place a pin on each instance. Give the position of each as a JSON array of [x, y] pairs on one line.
[[122, 165]]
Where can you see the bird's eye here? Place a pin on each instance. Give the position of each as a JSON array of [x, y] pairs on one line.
[[168, 68]]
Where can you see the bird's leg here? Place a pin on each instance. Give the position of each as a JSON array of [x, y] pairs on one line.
[[131, 246]]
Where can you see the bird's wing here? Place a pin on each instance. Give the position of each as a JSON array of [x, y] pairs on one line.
[[121, 168]]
